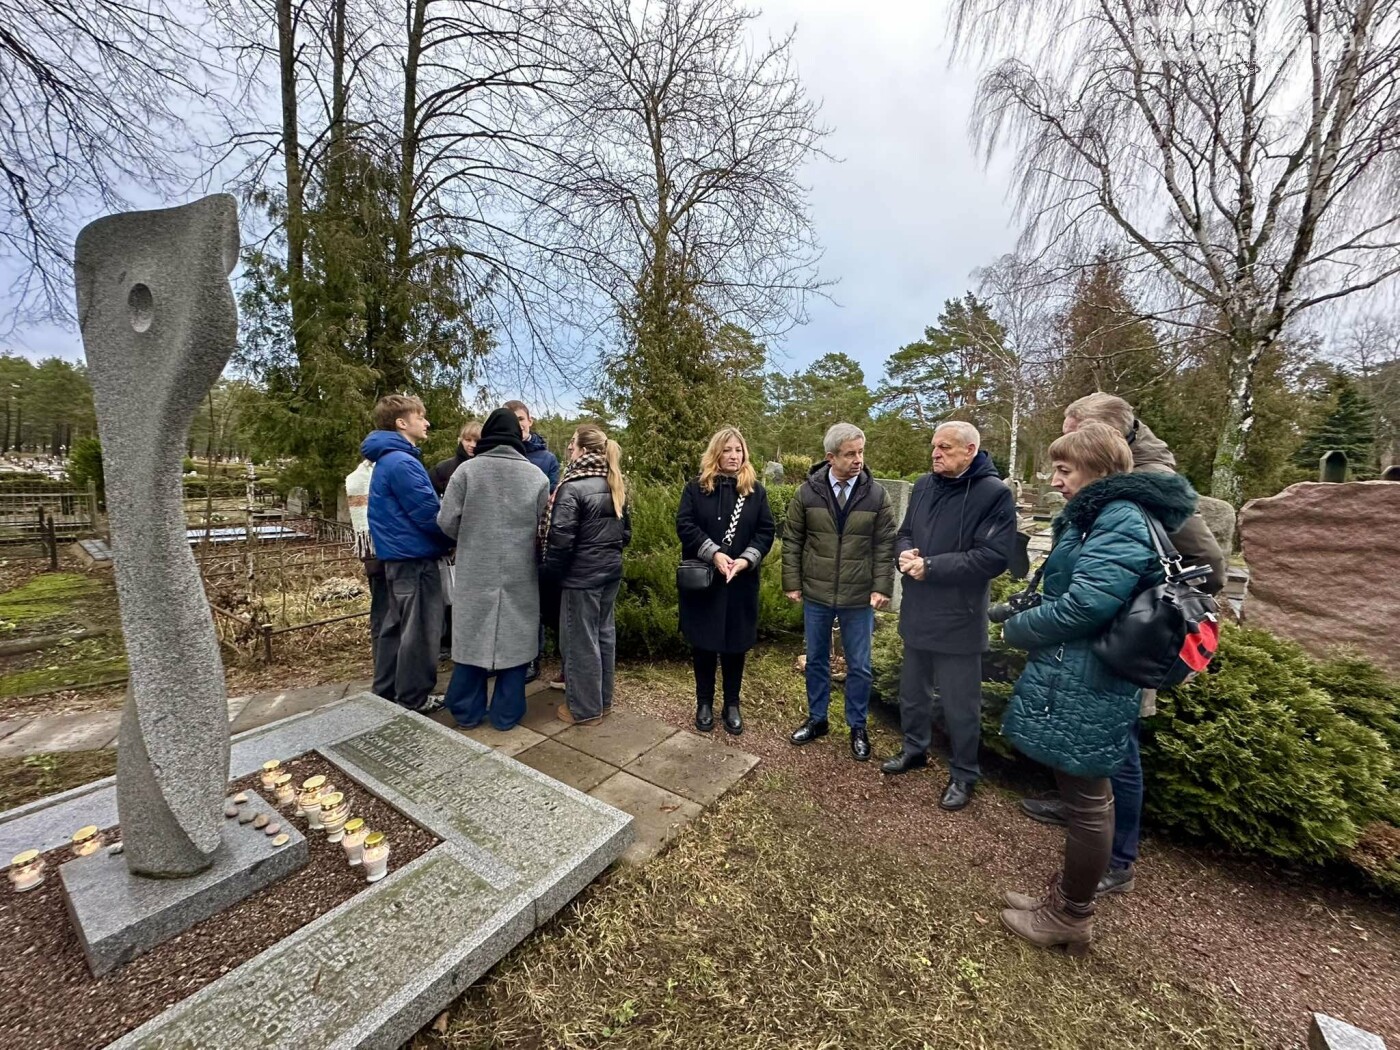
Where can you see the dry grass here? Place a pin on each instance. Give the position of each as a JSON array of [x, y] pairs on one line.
[[35, 776], [764, 926]]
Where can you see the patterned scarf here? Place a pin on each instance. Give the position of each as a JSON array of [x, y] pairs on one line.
[[357, 496], [588, 465]]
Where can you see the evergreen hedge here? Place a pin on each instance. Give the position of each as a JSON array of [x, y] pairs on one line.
[[1275, 754]]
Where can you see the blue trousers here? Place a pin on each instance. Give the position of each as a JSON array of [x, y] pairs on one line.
[[1127, 803], [857, 625], [466, 696]]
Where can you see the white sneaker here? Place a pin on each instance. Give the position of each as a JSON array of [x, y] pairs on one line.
[[431, 705], [556, 683]]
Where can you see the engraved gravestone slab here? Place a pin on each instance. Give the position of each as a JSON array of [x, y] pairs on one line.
[[353, 977]]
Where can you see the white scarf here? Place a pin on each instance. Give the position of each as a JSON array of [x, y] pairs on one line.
[[357, 496]]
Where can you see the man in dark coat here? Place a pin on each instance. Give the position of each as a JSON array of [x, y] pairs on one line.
[[537, 452], [957, 536], [443, 469]]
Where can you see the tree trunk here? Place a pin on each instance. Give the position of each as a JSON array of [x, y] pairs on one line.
[[291, 151], [1227, 483], [393, 374], [1011, 467]]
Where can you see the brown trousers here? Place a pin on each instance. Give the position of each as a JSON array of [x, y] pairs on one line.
[[1089, 840]]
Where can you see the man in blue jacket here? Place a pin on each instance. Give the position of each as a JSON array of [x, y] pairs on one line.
[[403, 512], [958, 534]]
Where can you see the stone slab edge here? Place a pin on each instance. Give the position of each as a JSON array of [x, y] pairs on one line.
[[395, 1020], [561, 883], [47, 823]]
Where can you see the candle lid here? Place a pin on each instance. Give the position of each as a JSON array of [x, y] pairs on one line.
[[26, 858], [312, 783], [83, 834], [282, 778], [332, 800], [374, 838], [270, 765], [354, 824]]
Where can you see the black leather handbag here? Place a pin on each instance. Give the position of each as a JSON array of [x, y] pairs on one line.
[[1168, 633], [694, 574]]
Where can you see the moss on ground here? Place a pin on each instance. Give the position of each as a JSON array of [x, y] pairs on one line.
[[36, 776], [46, 597], [69, 674]]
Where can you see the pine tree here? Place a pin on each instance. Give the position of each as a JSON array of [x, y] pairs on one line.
[[1348, 424]]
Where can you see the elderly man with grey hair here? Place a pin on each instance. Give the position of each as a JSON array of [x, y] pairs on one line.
[[838, 560], [958, 535]]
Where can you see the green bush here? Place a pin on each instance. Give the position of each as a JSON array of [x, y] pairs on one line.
[[648, 608], [795, 469], [85, 466]]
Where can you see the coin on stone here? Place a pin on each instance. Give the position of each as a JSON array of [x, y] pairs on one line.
[[281, 840], [230, 810], [260, 821], [272, 829], [246, 817]]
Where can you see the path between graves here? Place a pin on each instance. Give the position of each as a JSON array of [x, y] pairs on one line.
[[660, 774]]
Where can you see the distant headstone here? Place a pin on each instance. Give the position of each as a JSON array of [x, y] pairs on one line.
[[1332, 467], [1391, 473], [1327, 1033], [898, 492], [1052, 499], [773, 473], [1319, 560], [296, 502], [158, 324], [1220, 518]]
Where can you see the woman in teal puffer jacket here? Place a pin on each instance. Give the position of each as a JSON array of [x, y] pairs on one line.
[[1069, 710]]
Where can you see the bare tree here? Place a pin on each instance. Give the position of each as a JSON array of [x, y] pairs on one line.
[[1245, 149], [93, 96], [681, 156]]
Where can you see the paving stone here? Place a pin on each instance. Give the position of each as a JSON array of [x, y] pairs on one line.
[[270, 707], [12, 725], [620, 739], [540, 702], [510, 743], [236, 704], [118, 915], [566, 765], [659, 813], [1328, 1033], [88, 731], [688, 764]]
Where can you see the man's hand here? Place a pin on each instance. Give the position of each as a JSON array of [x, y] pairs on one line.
[[736, 566], [722, 562], [793, 596], [907, 560], [879, 601], [915, 571]]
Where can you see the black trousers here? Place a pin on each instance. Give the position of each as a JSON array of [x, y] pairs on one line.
[[945, 687], [406, 650], [706, 662]]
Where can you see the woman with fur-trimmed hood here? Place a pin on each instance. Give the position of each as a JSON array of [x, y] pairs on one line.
[[1069, 710]]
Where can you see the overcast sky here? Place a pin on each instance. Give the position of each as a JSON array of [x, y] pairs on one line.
[[906, 214]]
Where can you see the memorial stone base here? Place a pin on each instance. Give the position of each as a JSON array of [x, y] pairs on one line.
[[516, 846]]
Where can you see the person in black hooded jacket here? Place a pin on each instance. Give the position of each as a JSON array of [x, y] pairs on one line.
[[443, 469], [957, 536]]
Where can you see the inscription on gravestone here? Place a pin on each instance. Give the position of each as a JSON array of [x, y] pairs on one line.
[[303, 993], [482, 799]]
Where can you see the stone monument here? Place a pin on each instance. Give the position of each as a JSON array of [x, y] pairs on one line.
[[1219, 517], [158, 325], [1319, 558]]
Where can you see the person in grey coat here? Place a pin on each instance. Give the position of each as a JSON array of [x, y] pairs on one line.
[[492, 508]]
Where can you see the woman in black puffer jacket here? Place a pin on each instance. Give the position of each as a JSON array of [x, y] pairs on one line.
[[585, 530]]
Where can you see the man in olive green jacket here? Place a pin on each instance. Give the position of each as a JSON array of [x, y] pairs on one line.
[[838, 560]]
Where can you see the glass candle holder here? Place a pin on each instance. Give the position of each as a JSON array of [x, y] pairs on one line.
[[27, 870], [87, 841], [286, 793], [310, 792], [375, 856], [271, 770], [353, 840], [334, 811]]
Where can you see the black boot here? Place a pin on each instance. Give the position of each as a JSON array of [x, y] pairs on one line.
[[733, 722], [705, 717]]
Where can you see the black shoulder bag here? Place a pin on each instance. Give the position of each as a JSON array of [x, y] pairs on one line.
[[695, 574]]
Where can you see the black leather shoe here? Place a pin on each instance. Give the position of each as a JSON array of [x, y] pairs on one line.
[[955, 796], [860, 745], [733, 721], [809, 731], [903, 763], [532, 670], [1045, 810], [704, 717]]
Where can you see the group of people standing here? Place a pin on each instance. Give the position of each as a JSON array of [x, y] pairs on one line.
[[480, 533], [514, 522]]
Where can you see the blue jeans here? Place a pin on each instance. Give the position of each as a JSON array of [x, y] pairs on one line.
[[466, 696], [1127, 804], [857, 625]]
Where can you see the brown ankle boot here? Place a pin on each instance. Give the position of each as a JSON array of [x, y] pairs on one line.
[[1025, 902], [1053, 924]]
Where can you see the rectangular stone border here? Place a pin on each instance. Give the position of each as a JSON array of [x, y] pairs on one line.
[[396, 1019]]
